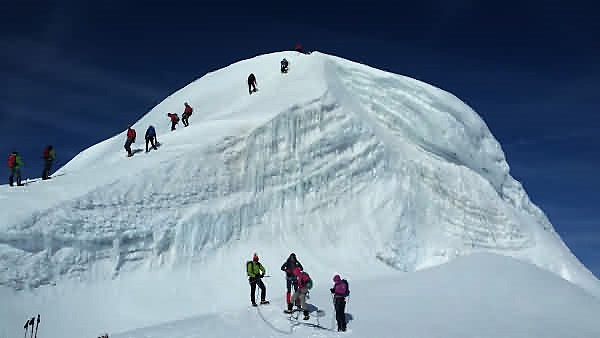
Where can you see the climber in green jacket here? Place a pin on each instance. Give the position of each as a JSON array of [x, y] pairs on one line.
[[14, 166], [256, 272]]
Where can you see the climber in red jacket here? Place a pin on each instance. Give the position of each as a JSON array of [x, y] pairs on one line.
[[130, 140]]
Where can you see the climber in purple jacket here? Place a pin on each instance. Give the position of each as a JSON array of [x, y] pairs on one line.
[[340, 291]]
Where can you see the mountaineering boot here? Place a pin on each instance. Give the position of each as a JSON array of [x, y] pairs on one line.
[[306, 317], [254, 304], [263, 302], [289, 308]]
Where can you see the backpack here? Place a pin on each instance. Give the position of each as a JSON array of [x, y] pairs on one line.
[[47, 153], [309, 282], [248, 267], [12, 160], [347, 288]]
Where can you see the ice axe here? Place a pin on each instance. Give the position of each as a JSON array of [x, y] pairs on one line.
[[25, 327], [37, 324], [32, 323]]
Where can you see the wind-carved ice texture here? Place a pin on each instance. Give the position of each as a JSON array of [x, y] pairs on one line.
[[333, 154]]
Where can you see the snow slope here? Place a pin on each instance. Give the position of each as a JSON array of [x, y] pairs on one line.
[[356, 169], [477, 296], [503, 299]]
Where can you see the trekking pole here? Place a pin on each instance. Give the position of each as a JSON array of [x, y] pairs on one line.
[[32, 323], [26, 327], [347, 302], [333, 314], [37, 325]]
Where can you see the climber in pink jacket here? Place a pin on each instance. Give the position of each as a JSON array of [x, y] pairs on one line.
[[340, 291], [304, 284]]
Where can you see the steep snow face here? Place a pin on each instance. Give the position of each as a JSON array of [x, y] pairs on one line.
[[334, 158]]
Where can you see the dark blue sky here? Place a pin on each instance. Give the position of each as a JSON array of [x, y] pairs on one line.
[[75, 73]]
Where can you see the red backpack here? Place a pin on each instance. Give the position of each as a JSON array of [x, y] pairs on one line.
[[12, 160], [131, 133], [46, 152]]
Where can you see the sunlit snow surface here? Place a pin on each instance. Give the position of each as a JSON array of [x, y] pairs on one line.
[[355, 169]]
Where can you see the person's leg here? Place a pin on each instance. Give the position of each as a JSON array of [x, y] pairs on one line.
[[128, 146], [303, 304], [11, 178], [147, 141], [340, 315], [18, 172], [252, 291], [294, 297], [263, 290], [45, 171], [288, 294], [295, 286], [303, 301], [337, 313], [343, 313]]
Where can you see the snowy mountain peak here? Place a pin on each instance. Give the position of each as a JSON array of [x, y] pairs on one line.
[[346, 165]]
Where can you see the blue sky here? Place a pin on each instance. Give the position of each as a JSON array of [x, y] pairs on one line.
[[75, 73]]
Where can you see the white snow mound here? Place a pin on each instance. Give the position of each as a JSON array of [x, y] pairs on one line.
[[355, 167]]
